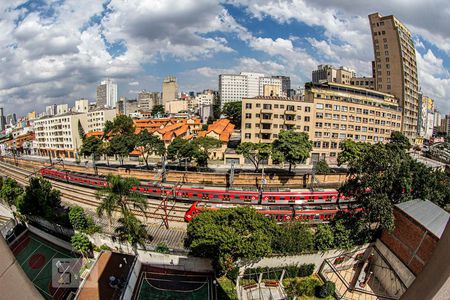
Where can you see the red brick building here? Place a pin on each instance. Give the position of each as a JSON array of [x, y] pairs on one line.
[[418, 227]]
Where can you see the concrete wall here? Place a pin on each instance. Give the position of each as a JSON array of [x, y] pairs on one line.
[[50, 238], [133, 277], [315, 258]]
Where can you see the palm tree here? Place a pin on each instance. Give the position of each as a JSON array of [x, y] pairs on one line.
[[132, 231], [118, 195]]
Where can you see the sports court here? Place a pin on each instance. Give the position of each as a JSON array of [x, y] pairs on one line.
[[164, 284], [35, 257]]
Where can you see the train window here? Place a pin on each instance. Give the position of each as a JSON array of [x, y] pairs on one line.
[[226, 197], [271, 199], [247, 199], [310, 199]]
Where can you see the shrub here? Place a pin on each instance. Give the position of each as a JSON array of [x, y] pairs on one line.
[[322, 167], [307, 287], [306, 270], [105, 247], [81, 243], [324, 238], [293, 237], [327, 289], [233, 274], [77, 218], [162, 248], [291, 271]]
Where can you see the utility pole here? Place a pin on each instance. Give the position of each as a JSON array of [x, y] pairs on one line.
[[231, 179]]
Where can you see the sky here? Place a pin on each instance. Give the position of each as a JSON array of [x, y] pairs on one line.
[[57, 51]]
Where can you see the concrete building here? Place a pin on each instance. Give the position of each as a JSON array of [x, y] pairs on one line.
[[97, 118], [107, 94], [235, 87], [2, 120], [365, 82], [395, 67], [59, 136], [328, 73], [31, 115], [426, 117], [81, 106], [146, 100], [169, 90], [11, 119], [175, 106], [50, 110], [208, 97], [62, 109], [329, 113]]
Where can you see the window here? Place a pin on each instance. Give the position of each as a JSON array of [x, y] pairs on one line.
[[319, 124], [306, 128], [319, 106], [344, 118], [248, 125], [275, 105], [326, 145], [336, 107], [248, 105], [267, 106], [344, 108], [258, 105], [316, 144], [319, 115], [248, 115], [307, 109], [248, 135], [318, 134], [258, 115], [328, 106], [333, 145], [307, 118]]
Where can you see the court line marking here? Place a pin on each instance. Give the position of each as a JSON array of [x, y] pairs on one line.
[[179, 291], [26, 260], [43, 268], [42, 290], [20, 243], [48, 246]]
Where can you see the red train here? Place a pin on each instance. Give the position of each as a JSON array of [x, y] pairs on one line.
[[284, 205]]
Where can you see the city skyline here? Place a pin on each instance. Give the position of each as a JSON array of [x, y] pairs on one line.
[[59, 53]]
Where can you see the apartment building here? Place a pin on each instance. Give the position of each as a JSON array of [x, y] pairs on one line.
[[107, 94], [97, 118], [395, 67], [58, 136], [146, 100], [329, 113], [169, 90], [328, 73], [235, 87], [365, 82]]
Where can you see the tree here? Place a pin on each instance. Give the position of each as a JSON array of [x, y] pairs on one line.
[[131, 230], [118, 195], [77, 218], [342, 235], [181, 150], [121, 125], [324, 238], [399, 140], [81, 132], [40, 199], [322, 167], [233, 111], [158, 109], [291, 147], [91, 146], [203, 146], [255, 152], [149, 144], [327, 289], [10, 191], [229, 234], [216, 112], [121, 145], [80, 242], [350, 151], [293, 237]]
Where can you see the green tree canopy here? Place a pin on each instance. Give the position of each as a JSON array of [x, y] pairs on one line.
[[324, 237], [92, 146], [149, 144], [181, 149], [293, 237], [350, 151], [158, 109], [322, 167], [121, 125], [10, 191], [132, 230], [400, 140], [203, 147], [291, 147], [78, 218], [40, 199], [121, 145], [80, 242], [228, 234], [233, 111], [255, 152]]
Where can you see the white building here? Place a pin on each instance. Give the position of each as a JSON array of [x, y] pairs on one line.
[[81, 106], [234, 87], [107, 94], [97, 118], [58, 136], [62, 109]]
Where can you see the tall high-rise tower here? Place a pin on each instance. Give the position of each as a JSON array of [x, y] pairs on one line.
[[169, 89], [107, 94], [2, 120], [395, 67]]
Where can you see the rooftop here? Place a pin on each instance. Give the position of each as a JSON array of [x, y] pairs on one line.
[[427, 214]]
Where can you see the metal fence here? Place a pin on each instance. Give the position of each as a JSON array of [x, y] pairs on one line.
[[52, 227]]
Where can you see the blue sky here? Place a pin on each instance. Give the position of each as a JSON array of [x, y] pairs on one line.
[[58, 51]]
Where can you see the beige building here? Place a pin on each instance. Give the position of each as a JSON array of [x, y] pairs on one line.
[[97, 118], [395, 67], [146, 100], [328, 73], [329, 113], [364, 82], [174, 107], [169, 90], [31, 115], [59, 136], [81, 106]]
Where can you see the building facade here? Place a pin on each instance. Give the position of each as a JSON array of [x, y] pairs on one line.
[[365, 82], [329, 113], [395, 67], [146, 100], [328, 73], [81, 106], [169, 90], [426, 117], [97, 118], [107, 94], [58, 136]]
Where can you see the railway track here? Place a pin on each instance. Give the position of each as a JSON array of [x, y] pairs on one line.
[[85, 197]]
